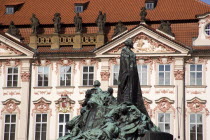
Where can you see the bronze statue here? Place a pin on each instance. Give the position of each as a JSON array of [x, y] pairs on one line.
[[78, 23], [119, 28], [34, 24], [13, 30], [143, 14], [166, 27], [57, 22], [100, 21], [129, 86]]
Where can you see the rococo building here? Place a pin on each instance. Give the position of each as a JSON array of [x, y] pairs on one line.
[[52, 51]]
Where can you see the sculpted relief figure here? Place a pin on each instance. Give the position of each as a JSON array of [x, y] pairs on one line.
[[100, 21], [119, 28], [129, 86], [34, 24], [57, 22], [78, 23]]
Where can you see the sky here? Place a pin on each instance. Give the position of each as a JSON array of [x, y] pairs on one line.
[[206, 1]]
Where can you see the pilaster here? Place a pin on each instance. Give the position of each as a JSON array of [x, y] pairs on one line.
[[55, 41], [33, 41], [78, 41], [105, 73], [100, 40]]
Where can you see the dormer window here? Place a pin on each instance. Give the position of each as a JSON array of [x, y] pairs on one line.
[[207, 29], [149, 5], [10, 10], [78, 9]]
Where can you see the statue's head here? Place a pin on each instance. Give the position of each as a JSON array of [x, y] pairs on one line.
[[33, 15], [96, 83], [129, 43], [110, 90], [100, 13]]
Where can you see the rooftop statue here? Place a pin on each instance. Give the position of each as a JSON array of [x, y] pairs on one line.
[[57, 22], [78, 23], [129, 89], [13, 30], [143, 14], [34, 24], [119, 28], [166, 27], [100, 21]]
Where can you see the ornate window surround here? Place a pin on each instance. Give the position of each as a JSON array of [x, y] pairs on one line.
[[10, 107], [201, 104], [196, 60], [112, 62]]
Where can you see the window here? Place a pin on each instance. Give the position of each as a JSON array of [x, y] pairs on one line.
[[196, 127], [164, 122], [195, 74], [12, 77], [63, 119], [164, 74], [207, 29], [88, 74], [65, 76], [142, 70], [116, 69], [41, 127], [43, 76], [9, 127], [78, 9], [149, 5], [10, 10]]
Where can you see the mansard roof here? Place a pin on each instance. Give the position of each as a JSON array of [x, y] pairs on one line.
[[124, 10]]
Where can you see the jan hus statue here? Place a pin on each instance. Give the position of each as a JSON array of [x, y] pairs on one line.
[[129, 89]]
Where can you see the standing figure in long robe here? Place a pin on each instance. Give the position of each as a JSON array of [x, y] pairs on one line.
[[129, 89]]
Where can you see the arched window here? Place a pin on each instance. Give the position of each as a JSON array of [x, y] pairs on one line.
[[207, 29]]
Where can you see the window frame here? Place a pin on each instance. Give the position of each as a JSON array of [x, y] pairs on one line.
[[10, 10], [170, 124], [149, 5], [203, 136], [10, 123], [164, 72], [141, 74], [65, 85], [79, 8], [63, 123], [12, 76], [113, 72], [48, 73], [207, 29], [88, 84], [40, 125], [196, 81]]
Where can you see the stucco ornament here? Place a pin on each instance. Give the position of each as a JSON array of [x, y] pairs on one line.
[[179, 74], [7, 50], [25, 76], [64, 104], [11, 105], [197, 105], [42, 106], [105, 76]]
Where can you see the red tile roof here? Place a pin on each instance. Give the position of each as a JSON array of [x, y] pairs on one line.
[[124, 10]]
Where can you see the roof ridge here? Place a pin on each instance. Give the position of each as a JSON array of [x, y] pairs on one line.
[[203, 3]]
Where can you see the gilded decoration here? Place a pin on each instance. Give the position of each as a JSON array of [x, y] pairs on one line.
[[179, 74], [42, 106], [10, 105], [105, 76], [197, 105], [7, 51], [25, 76], [147, 103], [66, 62], [64, 104], [164, 104]]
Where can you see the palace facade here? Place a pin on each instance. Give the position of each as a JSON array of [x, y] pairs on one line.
[[44, 72]]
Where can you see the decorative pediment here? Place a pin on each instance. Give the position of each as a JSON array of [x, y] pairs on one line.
[[6, 50], [64, 104], [164, 104], [197, 105], [11, 105], [41, 106], [147, 41]]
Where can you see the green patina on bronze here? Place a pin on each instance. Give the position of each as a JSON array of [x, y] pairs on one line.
[[103, 117]]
